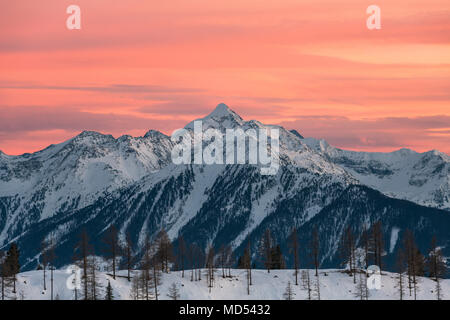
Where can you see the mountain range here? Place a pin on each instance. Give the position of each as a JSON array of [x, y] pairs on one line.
[[94, 180]]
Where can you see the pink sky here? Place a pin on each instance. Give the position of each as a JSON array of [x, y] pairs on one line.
[[310, 65]]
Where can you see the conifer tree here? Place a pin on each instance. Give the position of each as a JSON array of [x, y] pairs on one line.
[[109, 292]]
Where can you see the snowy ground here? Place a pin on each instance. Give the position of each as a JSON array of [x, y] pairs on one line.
[[334, 284]]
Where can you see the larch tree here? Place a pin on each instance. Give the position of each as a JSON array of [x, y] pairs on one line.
[[223, 259], [246, 262], [174, 293], [289, 292], [128, 251], [210, 267], [293, 246], [436, 265], [362, 291], [112, 250], [82, 251], [306, 283], [230, 259], [314, 249], [265, 249], [164, 250], [400, 266], [12, 265], [415, 262], [277, 258], [181, 254], [377, 244], [365, 239], [48, 259], [109, 292], [157, 268], [348, 251]]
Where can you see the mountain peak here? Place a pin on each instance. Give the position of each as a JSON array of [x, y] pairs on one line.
[[221, 117], [221, 110], [296, 133]]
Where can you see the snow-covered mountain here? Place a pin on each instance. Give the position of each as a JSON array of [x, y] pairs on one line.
[[94, 180], [423, 178], [72, 175]]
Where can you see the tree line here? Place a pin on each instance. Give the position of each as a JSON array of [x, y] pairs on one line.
[[159, 255]]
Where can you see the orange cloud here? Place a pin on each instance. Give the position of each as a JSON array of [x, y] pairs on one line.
[[138, 65]]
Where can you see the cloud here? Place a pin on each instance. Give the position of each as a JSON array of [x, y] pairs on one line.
[[113, 88]]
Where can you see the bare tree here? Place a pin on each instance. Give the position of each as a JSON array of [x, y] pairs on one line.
[[377, 243], [223, 259], [157, 268], [82, 251], [93, 279], [48, 258], [437, 267], [146, 267], [43, 261], [293, 244], [289, 293], [265, 249], [348, 251], [314, 249], [210, 267], [11, 264], [128, 255], [181, 254], [164, 250], [112, 247], [415, 262], [365, 239], [174, 293], [362, 291], [230, 259], [400, 266], [306, 283]]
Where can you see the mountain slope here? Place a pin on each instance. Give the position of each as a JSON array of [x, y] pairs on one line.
[[94, 180], [423, 178]]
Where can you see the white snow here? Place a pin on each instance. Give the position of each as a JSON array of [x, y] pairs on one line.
[[334, 284]]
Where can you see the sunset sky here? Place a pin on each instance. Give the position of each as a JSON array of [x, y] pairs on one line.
[[309, 65]]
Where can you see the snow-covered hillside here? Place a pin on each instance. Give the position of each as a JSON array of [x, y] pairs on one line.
[[334, 284]]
